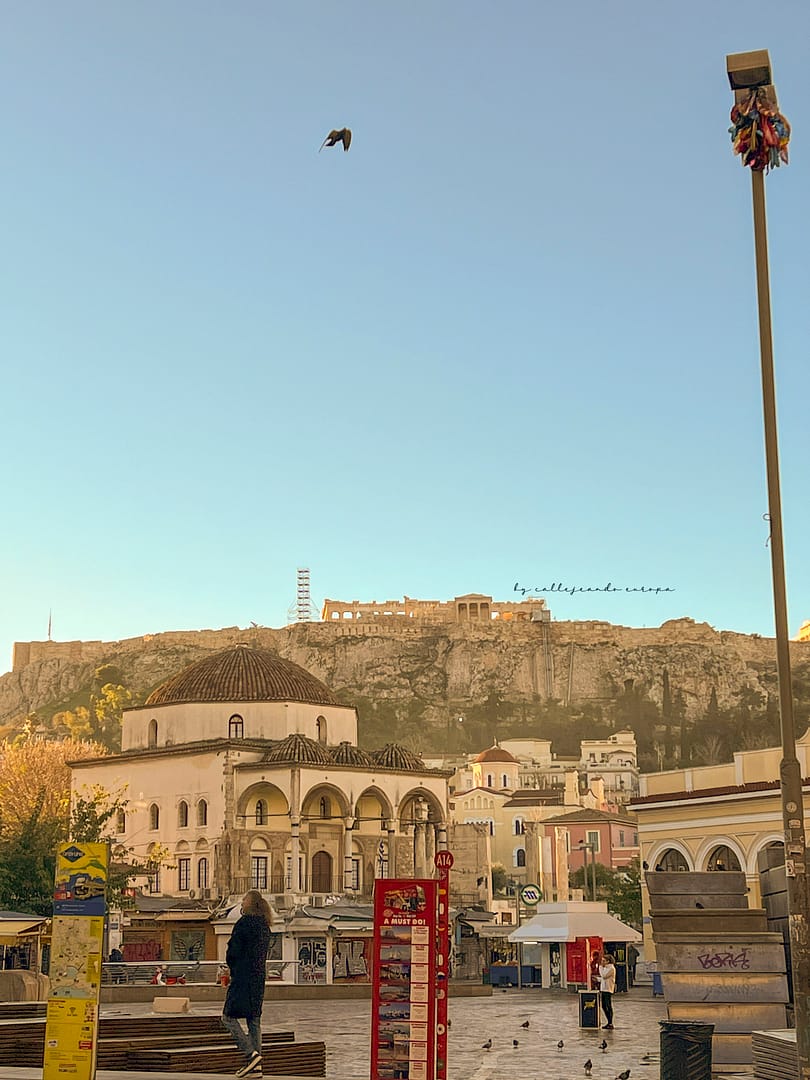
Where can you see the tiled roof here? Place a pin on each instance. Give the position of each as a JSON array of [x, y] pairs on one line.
[[593, 815], [299, 750], [708, 793], [347, 754], [394, 756], [243, 674], [496, 753]]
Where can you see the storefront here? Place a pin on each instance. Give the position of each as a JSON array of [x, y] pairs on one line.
[[570, 939]]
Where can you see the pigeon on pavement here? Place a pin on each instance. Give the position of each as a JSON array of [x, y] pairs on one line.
[[624, 1075], [515, 1042], [603, 1046], [525, 1024], [487, 1044], [560, 1044], [588, 1066]]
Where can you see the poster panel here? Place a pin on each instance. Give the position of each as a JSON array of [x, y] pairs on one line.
[[77, 941], [403, 1008]]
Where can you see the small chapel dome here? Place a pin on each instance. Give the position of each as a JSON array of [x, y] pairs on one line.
[[394, 756], [495, 753], [347, 754], [299, 750]]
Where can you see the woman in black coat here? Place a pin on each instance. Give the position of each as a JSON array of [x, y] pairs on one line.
[[246, 958]]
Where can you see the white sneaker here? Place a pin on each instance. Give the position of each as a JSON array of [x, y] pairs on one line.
[[252, 1067]]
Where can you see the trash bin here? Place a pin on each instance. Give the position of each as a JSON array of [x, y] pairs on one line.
[[588, 1008], [686, 1050], [658, 987]]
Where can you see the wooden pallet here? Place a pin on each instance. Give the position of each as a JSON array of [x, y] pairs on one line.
[[287, 1059], [775, 1055]]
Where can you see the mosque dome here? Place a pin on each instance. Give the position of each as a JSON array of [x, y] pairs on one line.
[[394, 756], [297, 749], [242, 673]]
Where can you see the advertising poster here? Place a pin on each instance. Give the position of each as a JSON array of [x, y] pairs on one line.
[[404, 979], [77, 942]]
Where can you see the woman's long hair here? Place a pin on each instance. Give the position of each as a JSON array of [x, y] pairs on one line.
[[253, 903]]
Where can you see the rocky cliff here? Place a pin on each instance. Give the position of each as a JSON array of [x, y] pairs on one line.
[[402, 675]]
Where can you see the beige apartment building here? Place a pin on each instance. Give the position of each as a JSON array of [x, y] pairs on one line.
[[716, 817]]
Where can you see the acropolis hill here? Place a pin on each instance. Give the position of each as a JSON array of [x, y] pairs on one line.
[[420, 671]]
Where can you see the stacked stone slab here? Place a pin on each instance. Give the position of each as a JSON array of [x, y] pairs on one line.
[[718, 961]]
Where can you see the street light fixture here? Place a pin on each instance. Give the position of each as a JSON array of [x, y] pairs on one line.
[[761, 134]]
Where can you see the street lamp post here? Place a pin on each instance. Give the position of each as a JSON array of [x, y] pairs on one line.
[[760, 134]]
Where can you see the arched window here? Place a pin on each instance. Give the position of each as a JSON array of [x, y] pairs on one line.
[[490, 780], [261, 812], [520, 857], [236, 727], [120, 822], [324, 807], [182, 814], [202, 812], [504, 780], [151, 738], [154, 816], [519, 827], [320, 727], [672, 860], [723, 858], [202, 873]]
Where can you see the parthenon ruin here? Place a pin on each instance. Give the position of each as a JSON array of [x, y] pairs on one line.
[[470, 608]]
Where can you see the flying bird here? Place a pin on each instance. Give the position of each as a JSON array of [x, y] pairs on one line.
[[587, 1067], [525, 1024], [487, 1044], [334, 137], [624, 1075], [560, 1044], [603, 1046]]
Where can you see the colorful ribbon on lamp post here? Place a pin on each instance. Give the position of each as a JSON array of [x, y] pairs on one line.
[[759, 132]]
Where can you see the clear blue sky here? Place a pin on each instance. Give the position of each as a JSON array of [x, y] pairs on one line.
[[509, 337]]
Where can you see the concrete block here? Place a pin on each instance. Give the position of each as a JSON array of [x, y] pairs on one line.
[[686, 901], [722, 956], [171, 1005], [737, 1018], [731, 1050], [712, 921], [729, 988], [697, 884]]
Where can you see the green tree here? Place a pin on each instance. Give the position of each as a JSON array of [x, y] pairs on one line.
[[27, 864], [499, 879], [623, 894]]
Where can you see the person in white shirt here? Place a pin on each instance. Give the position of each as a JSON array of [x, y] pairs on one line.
[[607, 986]]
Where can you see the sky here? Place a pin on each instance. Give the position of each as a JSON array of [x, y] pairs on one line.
[[509, 338]]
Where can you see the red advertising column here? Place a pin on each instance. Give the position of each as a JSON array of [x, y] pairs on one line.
[[443, 861], [403, 1004]]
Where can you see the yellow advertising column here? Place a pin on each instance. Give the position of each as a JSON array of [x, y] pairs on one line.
[[79, 907]]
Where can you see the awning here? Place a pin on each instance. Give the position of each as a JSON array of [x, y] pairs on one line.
[[11, 930], [13, 927], [570, 925], [495, 930]]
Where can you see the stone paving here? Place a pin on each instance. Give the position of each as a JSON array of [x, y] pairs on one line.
[[553, 1015]]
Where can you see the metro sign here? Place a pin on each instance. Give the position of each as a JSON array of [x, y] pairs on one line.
[[531, 895]]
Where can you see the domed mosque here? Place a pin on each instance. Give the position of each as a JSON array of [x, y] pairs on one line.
[[246, 769]]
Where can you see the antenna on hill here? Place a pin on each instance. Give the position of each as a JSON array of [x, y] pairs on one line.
[[303, 610]]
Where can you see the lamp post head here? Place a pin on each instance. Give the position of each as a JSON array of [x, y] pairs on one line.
[[748, 70]]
